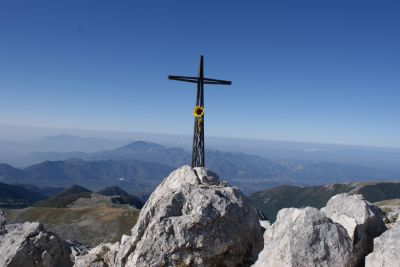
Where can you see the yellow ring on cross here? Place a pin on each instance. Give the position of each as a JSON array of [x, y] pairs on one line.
[[198, 111]]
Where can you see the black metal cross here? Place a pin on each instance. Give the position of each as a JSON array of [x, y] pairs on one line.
[[198, 112]]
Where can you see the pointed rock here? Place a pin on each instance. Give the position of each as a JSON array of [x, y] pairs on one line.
[[191, 219]]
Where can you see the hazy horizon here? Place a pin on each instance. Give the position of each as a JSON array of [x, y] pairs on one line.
[[28, 140], [47, 131]]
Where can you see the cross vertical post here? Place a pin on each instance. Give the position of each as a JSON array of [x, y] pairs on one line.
[[198, 157], [198, 132]]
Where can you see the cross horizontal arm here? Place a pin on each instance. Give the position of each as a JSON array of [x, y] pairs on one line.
[[214, 81], [184, 79], [196, 80]]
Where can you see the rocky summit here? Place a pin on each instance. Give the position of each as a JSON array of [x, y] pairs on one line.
[[191, 219], [195, 219]]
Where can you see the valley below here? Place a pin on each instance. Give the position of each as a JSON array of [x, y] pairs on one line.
[[90, 225]]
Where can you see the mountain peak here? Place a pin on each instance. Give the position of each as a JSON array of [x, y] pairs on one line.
[[65, 197], [140, 146], [74, 189], [113, 191]]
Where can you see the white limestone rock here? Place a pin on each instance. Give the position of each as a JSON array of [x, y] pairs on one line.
[[304, 237], [362, 220], [386, 249], [29, 244], [265, 224], [191, 219]]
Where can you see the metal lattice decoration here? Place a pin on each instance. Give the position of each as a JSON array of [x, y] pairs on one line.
[[198, 112]]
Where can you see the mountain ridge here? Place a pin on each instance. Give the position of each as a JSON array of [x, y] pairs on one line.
[[152, 162], [131, 174], [15, 196]]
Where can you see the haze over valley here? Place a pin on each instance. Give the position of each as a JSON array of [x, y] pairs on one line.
[[95, 162]]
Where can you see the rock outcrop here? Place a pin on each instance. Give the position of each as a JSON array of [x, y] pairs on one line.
[[386, 249], [101, 256], [2, 223], [362, 221], [75, 249], [191, 219], [305, 237], [29, 244]]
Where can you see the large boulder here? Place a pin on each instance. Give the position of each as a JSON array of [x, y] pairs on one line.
[[305, 237], [362, 220], [191, 219], [29, 244], [386, 249]]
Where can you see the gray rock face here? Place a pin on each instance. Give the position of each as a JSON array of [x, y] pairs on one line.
[[393, 216], [191, 219], [386, 249], [75, 249], [101, 256], [2, 223], [305, 237], [29, 244], [362, 221]]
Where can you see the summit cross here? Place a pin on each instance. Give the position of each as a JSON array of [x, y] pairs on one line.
[[198, 112]]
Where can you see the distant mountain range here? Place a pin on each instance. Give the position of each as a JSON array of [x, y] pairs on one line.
[[18, 153], [97, 174], [140, 166], [66, 197], [270, 201], [16, 142], [20, 196]]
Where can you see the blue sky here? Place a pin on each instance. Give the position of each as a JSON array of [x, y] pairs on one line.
[[318, 71]]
